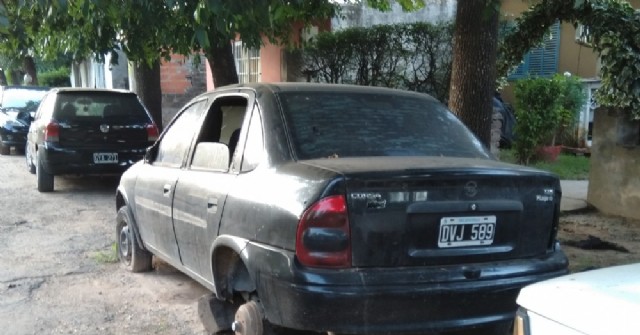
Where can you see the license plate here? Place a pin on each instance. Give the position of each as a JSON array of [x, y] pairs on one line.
[[466, 231], [105, 157]]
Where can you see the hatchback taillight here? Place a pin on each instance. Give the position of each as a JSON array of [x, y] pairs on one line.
[[323, 238], [152, 132], [52, 132]]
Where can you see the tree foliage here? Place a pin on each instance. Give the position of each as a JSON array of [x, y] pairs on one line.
[[408, 56], [613, 32]]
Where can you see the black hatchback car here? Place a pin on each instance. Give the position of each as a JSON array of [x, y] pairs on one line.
[[334, 208], [87, 131], [18, 105]]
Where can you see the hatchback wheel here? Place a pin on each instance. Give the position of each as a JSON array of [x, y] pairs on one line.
[[45, 179], [4, 149], [134, 258], [29, 158]]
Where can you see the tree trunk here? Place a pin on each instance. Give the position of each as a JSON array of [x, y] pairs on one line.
[[31, 74], [16, 77], [3, 78], [222, 65], [474, 65], [147, 86]]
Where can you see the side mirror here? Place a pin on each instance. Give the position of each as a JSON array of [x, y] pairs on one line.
[[212, 156], [25, 117]]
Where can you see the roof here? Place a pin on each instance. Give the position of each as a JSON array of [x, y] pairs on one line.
[[321, 87], [89, 89], [26, 87]]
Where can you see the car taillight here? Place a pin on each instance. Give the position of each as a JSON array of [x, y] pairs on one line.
[[52, 132], [323, 238], [152, 132]]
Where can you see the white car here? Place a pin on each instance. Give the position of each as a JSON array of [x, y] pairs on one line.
[[597, 302]]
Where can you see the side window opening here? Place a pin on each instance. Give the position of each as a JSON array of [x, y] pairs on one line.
[[223, 122], [175, 142]]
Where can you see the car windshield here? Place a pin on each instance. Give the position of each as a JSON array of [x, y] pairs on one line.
[[21, 99], [348, 124], [99, 105]]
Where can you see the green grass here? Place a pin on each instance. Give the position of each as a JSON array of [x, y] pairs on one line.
[[567, 167], [105, 256]]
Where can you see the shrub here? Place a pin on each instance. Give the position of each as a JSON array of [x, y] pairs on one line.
[[55, 78], [537, 115], [546, 108], [413, 56]]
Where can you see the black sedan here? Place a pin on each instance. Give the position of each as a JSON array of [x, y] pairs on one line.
[[17, 107], [339, 209]]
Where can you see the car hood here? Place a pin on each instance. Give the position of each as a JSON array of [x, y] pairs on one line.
[[413, 164], [604, 301]]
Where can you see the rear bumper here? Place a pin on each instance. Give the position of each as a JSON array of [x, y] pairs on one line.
[[400, 300], [13, 138], [60, 161]]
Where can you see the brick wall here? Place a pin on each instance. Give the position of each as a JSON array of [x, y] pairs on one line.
[[181, 79]]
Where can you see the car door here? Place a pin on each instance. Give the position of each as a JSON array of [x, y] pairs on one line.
[[156, 185], [200, 194]]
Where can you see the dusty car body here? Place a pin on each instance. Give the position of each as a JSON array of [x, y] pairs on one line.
[[597, 302], [338, 208]]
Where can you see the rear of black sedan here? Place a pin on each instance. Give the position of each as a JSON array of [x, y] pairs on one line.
[[417, 228], [414, 244]]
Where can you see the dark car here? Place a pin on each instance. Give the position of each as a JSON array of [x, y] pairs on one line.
[[347, 209], [17, 107], [85, 131]]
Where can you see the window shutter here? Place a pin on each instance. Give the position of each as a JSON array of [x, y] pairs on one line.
[[543, 60]]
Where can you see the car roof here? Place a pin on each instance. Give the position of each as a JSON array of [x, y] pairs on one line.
[[323, 87], [35, 88], [89, 90], [593, 302]]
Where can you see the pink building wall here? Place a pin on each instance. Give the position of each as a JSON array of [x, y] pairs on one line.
[[271, 56]]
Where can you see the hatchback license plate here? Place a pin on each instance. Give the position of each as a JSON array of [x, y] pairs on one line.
[[105, 157], [466, 231]]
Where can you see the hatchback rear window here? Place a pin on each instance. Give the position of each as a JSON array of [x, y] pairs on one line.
[[99, 105], [347, 124]]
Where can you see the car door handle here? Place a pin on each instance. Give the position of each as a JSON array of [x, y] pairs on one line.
[[212, 204], [166, 189]]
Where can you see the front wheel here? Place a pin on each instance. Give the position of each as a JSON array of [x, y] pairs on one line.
[[29, 159], [131, 256], [4, 149]]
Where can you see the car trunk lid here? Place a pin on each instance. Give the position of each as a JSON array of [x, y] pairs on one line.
[[409, 211]]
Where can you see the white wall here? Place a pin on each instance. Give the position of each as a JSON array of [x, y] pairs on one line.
[[362, 16]]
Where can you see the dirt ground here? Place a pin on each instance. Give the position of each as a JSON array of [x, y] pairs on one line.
[[593, 240], [58, 276]]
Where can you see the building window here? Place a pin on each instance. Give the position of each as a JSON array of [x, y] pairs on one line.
[[247, 63], [541, 61]]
